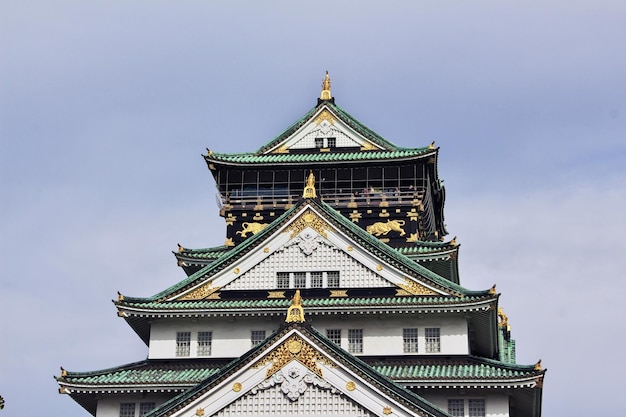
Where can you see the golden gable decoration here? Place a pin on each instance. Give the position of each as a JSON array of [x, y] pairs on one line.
[[200, 293], [415, 288], [294, 348], [308, 219]]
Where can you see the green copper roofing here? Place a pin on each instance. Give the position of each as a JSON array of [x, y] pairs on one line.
[[330, 157], [203, 253], [371, 243], [341, 114]]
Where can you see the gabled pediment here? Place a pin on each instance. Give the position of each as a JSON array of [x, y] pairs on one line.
[[313, 241], [323, 130], [297, 372]]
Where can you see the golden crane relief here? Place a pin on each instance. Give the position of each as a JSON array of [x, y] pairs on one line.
[[381, 228], [295, 312], [252, 228], [309, 189], [325, 95]]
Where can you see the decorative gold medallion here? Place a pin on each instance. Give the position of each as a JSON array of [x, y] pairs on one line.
[[237, 386], [379, 267], [294, 346], [350, 386], [200, 412], [236, 270], [387, 410], [266, 249], [350, 248]]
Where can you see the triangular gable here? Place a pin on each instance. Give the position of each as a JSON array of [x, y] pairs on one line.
[[311, 233], [297, 372], [314, 133]]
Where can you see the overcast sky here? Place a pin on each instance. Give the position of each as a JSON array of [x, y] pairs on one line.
[[105, 108]]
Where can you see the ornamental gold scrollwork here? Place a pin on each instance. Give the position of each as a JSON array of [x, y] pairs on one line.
[[308, 219], [199, 293], [294, 348], [416, 288]]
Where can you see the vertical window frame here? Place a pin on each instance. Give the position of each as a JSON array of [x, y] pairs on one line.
[[204, 343], [432, 336], [183, 344], [410, 339], [355, 340]]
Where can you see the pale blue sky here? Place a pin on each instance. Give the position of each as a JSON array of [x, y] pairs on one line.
[[105, 108]]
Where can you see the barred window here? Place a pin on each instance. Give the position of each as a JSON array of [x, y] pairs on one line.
[[410, 340], [127, 409], [299, 279], [257, 336], [183, 343], [355, 340], [332, 279], [145, 408], [476, 408], [282, 280], [332, 142], [456, 407], [205, 340], [319, 142], [334, 335], [433, 340], [317, 280]]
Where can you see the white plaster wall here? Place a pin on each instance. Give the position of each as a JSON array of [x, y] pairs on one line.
[[109, 405], [382, 335], [496, 405]]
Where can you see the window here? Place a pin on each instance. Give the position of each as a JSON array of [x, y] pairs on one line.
[[127, 409], [456, 408], [319, 142], [334, 335], [183, 343], [299, 279], [317, 280], [410, 340], [205, 340], [355, 340], [257, 336], [476, 408], [433, 340], [331, 142], [145, 408], [282, 280], [332, 279]]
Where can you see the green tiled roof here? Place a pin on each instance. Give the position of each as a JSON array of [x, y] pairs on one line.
[[192, 372], [330, 157], [203, 253], [343, 115]]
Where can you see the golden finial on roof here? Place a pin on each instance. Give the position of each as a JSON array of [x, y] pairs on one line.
[[492, 290], [453, 241], [295, 312], [432, 145], [180, 248], [63, 372], [120, 296], [504, 320], [326, 88], [309, 189], [538, 366]]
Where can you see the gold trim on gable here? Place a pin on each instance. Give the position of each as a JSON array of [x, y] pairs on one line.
[[416, 288], [308, 219], [200, 293], [294, 348], [325, 115]]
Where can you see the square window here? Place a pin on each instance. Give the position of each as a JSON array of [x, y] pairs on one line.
[[433, 340], [316, 280], [355, 340], [456, 408], [299, 279], [282, 280], [319, 142], [205, 340], [332, 279], [145, 408], [183, 343], [257, 336], [332, 142], [410, 340], [476, 408], [127, 409], [334, 335]]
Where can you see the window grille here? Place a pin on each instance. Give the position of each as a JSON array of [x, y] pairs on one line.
[[316, 280], [299, 279], [334, 335], [205, 340], [127, 409], [257, 336], [433, 340], [282, 280], [183, 343], [456, 408], [332, 142], [355, 340], [145, 408], [332, 279], [410, 340], [319, 142], [476, 408]]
